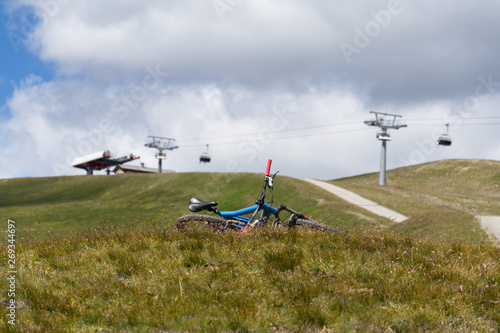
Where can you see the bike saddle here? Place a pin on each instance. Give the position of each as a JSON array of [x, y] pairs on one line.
[[197, 205]]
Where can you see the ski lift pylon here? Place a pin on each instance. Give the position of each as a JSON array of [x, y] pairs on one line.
[[205, 157], [445, 139]]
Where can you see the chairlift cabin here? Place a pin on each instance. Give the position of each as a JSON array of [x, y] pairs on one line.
[[445, 139], [383, 136], [205, 157], [161, 156]]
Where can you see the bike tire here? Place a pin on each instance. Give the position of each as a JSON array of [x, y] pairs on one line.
[[193, 221], [313, 225]]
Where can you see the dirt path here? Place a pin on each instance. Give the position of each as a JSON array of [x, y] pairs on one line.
[[359, 201], [491, 224]]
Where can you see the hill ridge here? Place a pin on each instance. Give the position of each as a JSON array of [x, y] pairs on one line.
[[436, 204]]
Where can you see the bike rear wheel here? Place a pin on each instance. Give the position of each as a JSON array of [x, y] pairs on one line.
[[196, 221], [312, 225]]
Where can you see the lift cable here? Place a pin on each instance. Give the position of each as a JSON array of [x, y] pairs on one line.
[[278, 138], [275, 132], [237, 137], [450, 118], [457, 125]]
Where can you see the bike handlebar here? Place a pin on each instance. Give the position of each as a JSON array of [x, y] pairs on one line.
[[268, 170]]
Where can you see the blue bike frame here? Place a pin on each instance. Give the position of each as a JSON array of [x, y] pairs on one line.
[[235, 218], [236, 215]]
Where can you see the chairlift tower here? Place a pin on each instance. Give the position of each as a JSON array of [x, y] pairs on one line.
[[161, 144], [384, 121]]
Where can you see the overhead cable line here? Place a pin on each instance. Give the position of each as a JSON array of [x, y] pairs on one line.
[[232, 139], [335, 125], [478, 124], [279, 138], [276, 132], [452, 118]]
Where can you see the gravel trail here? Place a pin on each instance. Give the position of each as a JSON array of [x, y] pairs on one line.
[[359, 201], [491, 224]]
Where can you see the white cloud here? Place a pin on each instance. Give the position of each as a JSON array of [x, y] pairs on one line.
[[234, 76]]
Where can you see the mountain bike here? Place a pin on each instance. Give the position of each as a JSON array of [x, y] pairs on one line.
[[236, 219]]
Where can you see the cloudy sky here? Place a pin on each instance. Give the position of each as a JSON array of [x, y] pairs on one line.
[[290, 80]]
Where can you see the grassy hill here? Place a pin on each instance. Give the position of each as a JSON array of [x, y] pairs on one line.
[[155, 279], [101, 254], [62, 204], [441, 198]]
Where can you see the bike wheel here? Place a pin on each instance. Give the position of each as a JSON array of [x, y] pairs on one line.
[[195, 221], [313, 225]]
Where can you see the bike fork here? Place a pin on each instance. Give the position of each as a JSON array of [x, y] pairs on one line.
[[225, 227]]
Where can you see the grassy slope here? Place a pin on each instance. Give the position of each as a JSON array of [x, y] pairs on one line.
[[439, 197], [154, 278], [157, 279], [63, 204]]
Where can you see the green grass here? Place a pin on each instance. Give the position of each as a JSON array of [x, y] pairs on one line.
[[101, 254], [157, 279], [65, 204], [438, 197], [441, 198]]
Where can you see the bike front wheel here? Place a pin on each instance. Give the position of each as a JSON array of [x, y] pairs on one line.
[[196, 221], [307, 223]]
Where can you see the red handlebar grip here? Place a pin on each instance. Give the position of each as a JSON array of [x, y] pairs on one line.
[[268, 167]]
